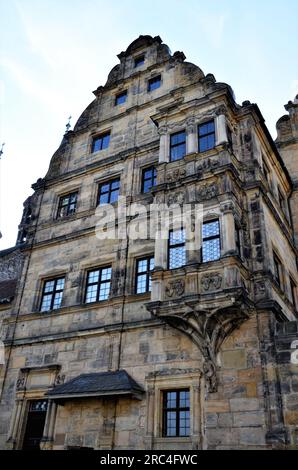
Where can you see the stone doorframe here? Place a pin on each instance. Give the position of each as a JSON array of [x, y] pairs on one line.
[[32, 384]]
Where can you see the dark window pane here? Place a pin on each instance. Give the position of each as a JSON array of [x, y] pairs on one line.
[[109, 192], [148, 179], [121, 98], [154, 83], [176, 413], [178, 152], [206, 136], [67, 205], [101, 142], [139, 61]]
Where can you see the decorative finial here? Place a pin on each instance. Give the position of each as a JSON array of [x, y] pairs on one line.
[[68, 126], [1, 150]]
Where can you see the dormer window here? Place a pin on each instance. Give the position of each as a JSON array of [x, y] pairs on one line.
[[139, 61], [101, 142], [121, 98], [154, 83]]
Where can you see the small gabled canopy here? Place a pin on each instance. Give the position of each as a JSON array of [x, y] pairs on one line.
[[99, 384]]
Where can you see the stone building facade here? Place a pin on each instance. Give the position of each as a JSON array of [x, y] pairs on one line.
[[156, 343]]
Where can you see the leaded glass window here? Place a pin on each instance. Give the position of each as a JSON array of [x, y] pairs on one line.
[[52, 294], [176, 252], [67, 205], [144, 269], [176, 413], [98, 284], [210, 241]]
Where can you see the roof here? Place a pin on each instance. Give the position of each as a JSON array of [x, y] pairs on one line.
[[96, 385], [7, 290]]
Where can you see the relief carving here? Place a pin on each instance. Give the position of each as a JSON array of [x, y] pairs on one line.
[[207, 191], [207, 165], [175, 288], [176, 175], [176, 198], [211, 281]]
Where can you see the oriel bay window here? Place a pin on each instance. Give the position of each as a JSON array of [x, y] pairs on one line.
[[100, 142], [108, 192], [176, 249], [176, 413], [177, 146], [67, 205], [206, 134], [52, 294], [143, 274], [98, 284], [148, 179], [210, 241]]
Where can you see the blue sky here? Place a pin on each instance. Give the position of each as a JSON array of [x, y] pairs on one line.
[[53, 53]]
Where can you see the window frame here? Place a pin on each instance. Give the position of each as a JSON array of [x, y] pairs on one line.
[[175, 410], [109, 192], [101, 137], [98, 283], [152, 178], [177, 245], [137, 60], [119, 96], [212, 237], [293, 287], [278, 270], [151, 81], [206, 135], [173, 146], [52, 293], [60, 205], [148, 273]]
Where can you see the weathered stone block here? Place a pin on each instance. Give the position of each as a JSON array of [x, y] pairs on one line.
[[244, 404], [235, 359]]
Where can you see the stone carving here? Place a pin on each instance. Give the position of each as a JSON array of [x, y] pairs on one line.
[[207, 165], [176, 198], [11, 266], [211, 281], [175, 288], [176, 175], [209, 372], [207, 191], [59, 379]]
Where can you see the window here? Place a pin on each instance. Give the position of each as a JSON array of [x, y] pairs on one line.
[[67, 205], [277, 269], [177, 146], [98, 284], [144, 269], [176, 413], [176, 251], [121, 98], [237, 239], [293, 293], [266, 171], [230, 137], [101, 142], [211, 241], [206, 136], [139, 61], [281, 200], [108, 192], [154, 83], [148, 179], [52, 294]]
